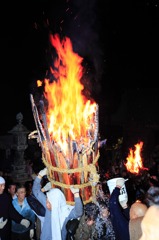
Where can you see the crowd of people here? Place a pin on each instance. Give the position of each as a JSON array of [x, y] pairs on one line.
[[37, 211]]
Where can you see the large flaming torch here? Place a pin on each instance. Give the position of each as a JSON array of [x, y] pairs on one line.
[[67, 125], [134, 160]]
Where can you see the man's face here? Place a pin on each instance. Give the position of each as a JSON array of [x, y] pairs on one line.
[[21, 193], [12, 189], [2, 187], [90, 222], [104, 213]]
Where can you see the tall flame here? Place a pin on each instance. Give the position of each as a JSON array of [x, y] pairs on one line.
[[134, 160], [69, 114]]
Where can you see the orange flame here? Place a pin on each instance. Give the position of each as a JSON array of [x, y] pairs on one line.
[[69, 114], [134, 160]]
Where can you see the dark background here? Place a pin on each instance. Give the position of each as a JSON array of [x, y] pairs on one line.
[[117, 39]]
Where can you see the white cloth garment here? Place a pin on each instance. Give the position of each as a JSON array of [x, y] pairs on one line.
[[2, 180], [60, 210]]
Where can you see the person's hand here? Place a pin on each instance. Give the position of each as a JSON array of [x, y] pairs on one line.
[[31, 233], [74, 190], [120, 182], [25, 223], [43, 172], [2, 223], [47, 187], [123, 204]]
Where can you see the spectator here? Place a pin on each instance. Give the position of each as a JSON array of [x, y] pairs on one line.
[[124, 174], [119, 213], [126, 220], [38, 209], [86, 228], [12, 189], [150, 224], [8, 213], [137, 212], [28, 186], [21, 205], [152, 196], [57, 211], [29, 168], [117, 172], [101, 195], [103, 223]]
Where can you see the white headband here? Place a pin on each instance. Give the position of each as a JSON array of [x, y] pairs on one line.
[[2, 180]]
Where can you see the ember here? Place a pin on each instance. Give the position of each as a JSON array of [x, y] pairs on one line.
[[67, 125]]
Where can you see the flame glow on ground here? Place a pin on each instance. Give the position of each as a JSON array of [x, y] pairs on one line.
[[69, 115]]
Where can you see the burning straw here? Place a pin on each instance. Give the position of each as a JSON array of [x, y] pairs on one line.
[[68, 133], [78, 168]]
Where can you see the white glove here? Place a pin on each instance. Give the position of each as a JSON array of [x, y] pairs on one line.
[[47, 187], [120, 182], [31, 233], [2, 223], [74, 190], [123, 204], [25, 223], [43, 172]]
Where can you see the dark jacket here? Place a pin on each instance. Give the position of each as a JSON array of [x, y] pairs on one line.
[[37, 207], [7, 211], [85, 231], [119, 220]]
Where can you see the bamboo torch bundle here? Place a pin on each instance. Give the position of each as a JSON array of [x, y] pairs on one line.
[[75, 167]]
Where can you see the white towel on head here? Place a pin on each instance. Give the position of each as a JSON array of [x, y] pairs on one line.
[[60, 210], [2, 180]]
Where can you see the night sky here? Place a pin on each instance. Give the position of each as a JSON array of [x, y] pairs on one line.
[[117, 39]]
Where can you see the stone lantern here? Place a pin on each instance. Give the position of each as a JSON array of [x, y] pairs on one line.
[[19, 145]]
